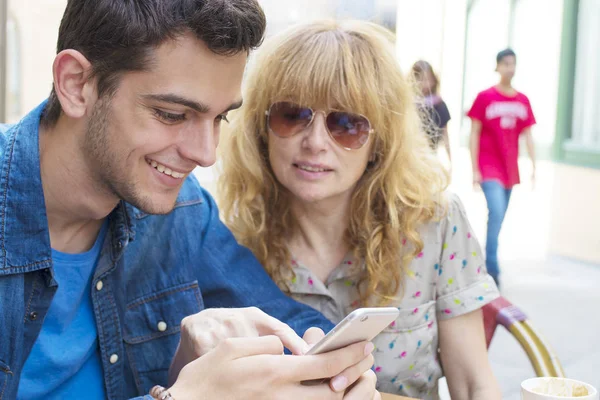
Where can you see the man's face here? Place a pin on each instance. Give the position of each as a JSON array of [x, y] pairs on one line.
[[506, 67], [160, 124]]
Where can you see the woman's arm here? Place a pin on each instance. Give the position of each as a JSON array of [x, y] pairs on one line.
[[465, 358]]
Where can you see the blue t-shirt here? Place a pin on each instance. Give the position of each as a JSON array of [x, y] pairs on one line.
[[65, 361]]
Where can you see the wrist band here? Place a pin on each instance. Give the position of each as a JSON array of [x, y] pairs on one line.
[[160, 393]]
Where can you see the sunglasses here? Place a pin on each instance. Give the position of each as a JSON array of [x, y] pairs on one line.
[[350, 131]]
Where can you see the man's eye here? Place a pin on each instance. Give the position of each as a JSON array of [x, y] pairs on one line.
[[168, 117], [222, 117]]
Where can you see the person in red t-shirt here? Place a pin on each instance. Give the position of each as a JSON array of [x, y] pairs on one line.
[[500, 115]]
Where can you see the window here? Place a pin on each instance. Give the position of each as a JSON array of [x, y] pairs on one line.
[[585, 132]]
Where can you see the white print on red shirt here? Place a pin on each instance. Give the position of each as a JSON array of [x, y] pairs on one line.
[[507, 111]]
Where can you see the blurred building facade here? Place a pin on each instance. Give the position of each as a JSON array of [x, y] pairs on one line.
[[558, 68]]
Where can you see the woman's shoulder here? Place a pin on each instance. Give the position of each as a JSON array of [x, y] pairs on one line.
[[449, 209], [440, 105], [447, 203]]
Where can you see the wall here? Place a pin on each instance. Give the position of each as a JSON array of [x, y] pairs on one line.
[[575, 229], [37, 22]]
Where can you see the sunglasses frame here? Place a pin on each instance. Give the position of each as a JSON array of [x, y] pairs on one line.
[[312, 118]]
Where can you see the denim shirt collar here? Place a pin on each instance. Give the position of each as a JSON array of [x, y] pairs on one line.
[[24, 235]]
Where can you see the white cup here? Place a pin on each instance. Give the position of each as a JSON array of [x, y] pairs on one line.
[[550, 389]]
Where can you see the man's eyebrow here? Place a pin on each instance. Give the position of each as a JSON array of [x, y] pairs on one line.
[[176, 99], [194, 105]]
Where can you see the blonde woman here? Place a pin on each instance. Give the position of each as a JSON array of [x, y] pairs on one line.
[[328, 179]]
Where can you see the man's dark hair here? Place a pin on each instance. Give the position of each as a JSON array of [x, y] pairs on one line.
[[117, 36], [505, 53]]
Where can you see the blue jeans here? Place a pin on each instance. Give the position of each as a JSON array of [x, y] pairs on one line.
[[497, 198]]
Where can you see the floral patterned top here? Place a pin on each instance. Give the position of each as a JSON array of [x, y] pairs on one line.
[[447, 279]]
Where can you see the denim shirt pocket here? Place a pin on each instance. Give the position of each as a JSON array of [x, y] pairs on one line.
[[151, 334]]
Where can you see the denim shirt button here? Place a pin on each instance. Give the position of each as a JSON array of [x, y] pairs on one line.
[[33, 315], [99, 285], [162, 326], [113, 359]]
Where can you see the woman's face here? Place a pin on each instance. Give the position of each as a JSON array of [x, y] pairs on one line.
[[426, 82], [314, 167]]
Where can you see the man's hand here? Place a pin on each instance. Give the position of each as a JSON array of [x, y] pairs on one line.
[[202, 332], [364, 388], [254, 368]]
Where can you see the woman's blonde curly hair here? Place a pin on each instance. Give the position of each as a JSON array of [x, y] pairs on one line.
[[348, 65]]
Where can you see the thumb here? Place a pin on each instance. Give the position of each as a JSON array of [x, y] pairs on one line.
[[313, 335]]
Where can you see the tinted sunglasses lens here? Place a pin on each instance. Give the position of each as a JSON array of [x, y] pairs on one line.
[[287, 119], [349, 130]]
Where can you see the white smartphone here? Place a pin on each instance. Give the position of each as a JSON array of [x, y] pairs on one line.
[[362, 324]]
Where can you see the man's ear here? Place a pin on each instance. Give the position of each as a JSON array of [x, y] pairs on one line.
[[75, 91]]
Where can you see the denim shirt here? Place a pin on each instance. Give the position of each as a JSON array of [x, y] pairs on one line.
[[153, 271]]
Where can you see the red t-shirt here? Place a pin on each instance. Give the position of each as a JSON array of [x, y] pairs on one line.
[[503, 118]]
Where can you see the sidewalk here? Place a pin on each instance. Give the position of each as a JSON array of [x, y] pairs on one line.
[[561, 298]]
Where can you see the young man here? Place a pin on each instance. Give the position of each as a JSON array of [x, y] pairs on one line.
[[109, 248], [500, 115]]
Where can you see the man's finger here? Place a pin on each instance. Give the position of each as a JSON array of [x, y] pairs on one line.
[[327, 365], [234, 348], [320, 391], [364, 388], [343, 380], [312, 336], [267, 325]]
